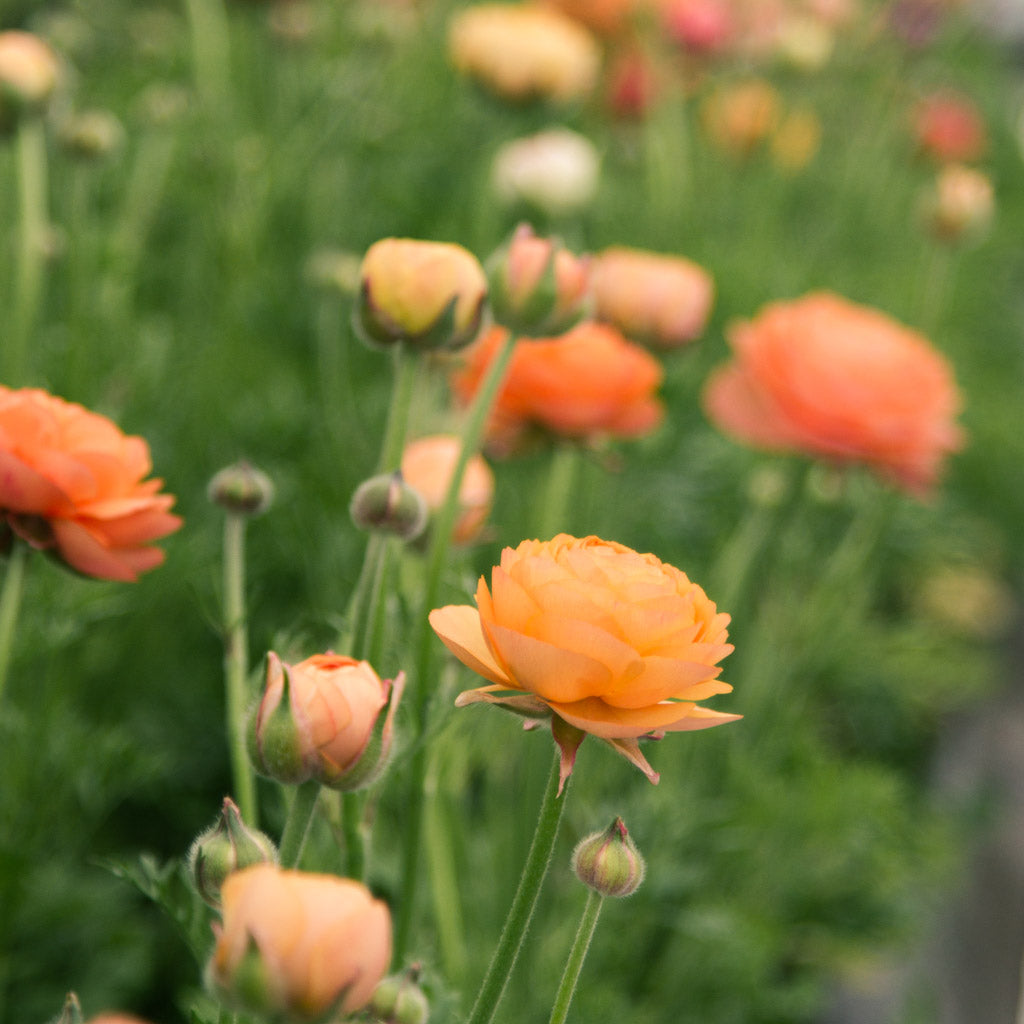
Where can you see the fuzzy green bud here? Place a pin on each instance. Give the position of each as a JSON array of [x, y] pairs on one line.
[[387, 504], [609, 861], [398, 999], [228, 845], [242, 489]]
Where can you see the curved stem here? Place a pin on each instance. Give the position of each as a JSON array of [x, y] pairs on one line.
[[10, 603], [578, 953], [300, 814], [236, 668], [521, 911]]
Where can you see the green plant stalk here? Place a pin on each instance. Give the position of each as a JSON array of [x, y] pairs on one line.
[[10, 603], [355, 837], [407, 364], [561, 477], [236, 668], [523, 904], [211, 51], [437, 556], [578, 953], [296, 826], [370, 642], [32, 192]]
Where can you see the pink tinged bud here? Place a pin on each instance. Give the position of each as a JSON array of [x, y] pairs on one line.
[[228, 845], [538, 287], [387, 504], [298, 946], [609, 861], [428, 295], [321, 719], [29, 72]]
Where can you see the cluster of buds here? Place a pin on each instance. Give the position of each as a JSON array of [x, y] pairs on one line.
[[323, 719]]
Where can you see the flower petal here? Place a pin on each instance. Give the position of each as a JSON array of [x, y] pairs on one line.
[[458, 626]]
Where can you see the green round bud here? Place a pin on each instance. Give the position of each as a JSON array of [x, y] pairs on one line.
[[387, 504], [398, 999], [242, 489], [609, 861]]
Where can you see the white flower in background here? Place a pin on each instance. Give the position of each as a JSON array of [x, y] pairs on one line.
[[555, 170]]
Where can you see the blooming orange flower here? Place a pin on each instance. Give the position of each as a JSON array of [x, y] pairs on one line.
[[318, 720], [828, 377], [664, 300], [596, 637], [586, 383], [427, 467], [71, 483], [299, 944]]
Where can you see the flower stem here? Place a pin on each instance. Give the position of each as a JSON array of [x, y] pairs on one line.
[[210, 51], [437, 559], [236, 668], [521, 911], [561, 476], [300, 814], [578, 953], [10, 602], [355, 838], [32, 192], [407, 363]]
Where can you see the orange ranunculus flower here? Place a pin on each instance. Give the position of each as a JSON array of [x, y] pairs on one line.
[[299, 944], [825, 376], [525, 51], [663, 300], [427, 466], [584, 384], [739, 117], [948, 127], [595, 636], [72, 484], [321, 719]]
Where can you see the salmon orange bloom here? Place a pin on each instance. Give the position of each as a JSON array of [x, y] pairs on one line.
[[299, 944], [595, 637], [72, 484], [663, 300], [587, 383], [827, 377]]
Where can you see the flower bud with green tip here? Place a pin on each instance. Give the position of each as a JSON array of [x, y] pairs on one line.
[[226, 846], [398, 999], [241, 488], [387, 504], [609, 861]]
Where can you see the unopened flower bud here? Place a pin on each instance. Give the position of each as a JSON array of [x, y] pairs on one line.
[[71, 1012], [324, 719], [242, 489], [609, 861], [428, 295], [92, 134], [387, 504], [538, 287], [398, 999], [227, 845], [959, 205], [29, 72]]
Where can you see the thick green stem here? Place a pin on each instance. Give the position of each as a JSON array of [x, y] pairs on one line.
[[407, 364], [300, 814], [578, 953], [355, 836], [32, 193], [236, 669], [10, 602], [211, 51], [561, 476], [423, 647], [521, 911]]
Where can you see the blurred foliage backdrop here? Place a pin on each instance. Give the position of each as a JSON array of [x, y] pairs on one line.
[[179, 300]]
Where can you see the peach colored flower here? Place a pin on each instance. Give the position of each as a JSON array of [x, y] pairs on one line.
[[825, 376], [525, 51], [425, 294], [319, 720], [595, 636], [607, 17], [555, 171], [948, 127], [299, 944], [29, 71], [587, 383], [72, 484], [650, 297], [959, 205], [740, 117], [427, 466]]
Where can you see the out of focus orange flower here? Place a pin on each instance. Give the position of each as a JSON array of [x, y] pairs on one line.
[[525, 51], [960, 204], [651, 297], [587, 383], [72, 484], [427, 467], [595, 637], [299, 944], [740, 117], [830, 378], [795, 142], [948, 127]]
